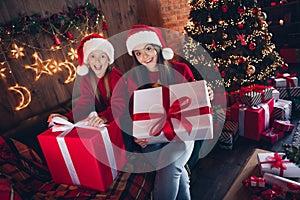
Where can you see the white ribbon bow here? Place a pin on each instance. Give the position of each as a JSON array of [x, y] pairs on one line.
[[60, 124]]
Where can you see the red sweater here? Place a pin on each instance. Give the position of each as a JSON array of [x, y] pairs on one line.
[[88, 102]]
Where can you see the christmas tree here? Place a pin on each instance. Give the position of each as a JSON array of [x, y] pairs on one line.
[[231, 37]]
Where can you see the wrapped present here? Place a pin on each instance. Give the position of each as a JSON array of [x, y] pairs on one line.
[[292, 94], [77, 154], [228, 135], [282, 109], [286, 185], [275, 164], [272, 135], [284, 126], [255, 181], [275, 94], [225, 98], [253, 95], [232, 97], [285, 80], [252, 120], [179, 112]]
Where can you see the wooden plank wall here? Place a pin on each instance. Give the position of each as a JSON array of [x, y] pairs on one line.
[[50, 91]]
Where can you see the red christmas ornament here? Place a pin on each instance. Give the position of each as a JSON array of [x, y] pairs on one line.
[[223, 74], [104, 26], [224, 8], [241, 9], [273, 3], [213, 44], [255, 10], [56, 40], [240, 25], [69, 35], [252, 46], [241, 60]]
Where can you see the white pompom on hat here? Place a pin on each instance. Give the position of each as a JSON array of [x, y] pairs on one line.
[[91, 43], [141, 34]]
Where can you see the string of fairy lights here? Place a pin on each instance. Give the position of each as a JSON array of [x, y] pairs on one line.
[[211, 26], [17, 40]]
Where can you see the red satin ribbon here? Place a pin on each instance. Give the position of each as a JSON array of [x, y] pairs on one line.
[[276, 162], [289, 80], [172, 111]]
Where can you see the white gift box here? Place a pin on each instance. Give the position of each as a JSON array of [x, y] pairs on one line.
[[267, 162], [284, 105], [285, 184], [275, 94], [282, 82], [179, 112]]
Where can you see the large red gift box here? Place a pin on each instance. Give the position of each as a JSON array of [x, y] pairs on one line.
[[179, 112], [252, 120], [89, 157]]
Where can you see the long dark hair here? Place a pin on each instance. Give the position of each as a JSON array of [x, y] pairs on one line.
[[141, 75]]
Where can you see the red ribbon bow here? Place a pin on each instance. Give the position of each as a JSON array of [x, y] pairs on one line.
[[276, 162], [172, 111], [289, 80]]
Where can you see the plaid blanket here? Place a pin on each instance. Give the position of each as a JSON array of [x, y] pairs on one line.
[[31, 179]]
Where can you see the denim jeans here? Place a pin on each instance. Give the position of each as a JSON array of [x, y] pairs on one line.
[[168, 159]]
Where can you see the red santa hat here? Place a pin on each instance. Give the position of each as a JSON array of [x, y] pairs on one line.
[[91, 43], [141, 34]]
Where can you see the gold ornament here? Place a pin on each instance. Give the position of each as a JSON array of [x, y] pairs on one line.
[[224, 36], [250, 70]]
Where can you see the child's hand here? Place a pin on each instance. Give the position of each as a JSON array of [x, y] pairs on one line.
[[142, 142], [56, 115], [210, 93], [96, 121]]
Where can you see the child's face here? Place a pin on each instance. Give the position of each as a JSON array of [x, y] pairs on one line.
[[147, 56], [98, 61]]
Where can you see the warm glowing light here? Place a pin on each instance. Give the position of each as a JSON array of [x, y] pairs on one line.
[[39, 67], [25, 96], [16, 51], [2, 70], [72, 54]]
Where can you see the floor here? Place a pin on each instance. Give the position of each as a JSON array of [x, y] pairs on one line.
[[213, 175]]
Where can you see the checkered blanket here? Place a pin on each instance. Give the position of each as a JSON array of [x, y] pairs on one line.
[[30, 178]]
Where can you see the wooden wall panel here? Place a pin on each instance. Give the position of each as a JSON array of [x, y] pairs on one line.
[[50, 91]]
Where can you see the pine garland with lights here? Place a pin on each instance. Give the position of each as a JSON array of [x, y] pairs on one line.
[[235, 35], [30, 36]]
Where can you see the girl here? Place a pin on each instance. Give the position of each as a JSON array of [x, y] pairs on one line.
[[95, 52], [152, 69]]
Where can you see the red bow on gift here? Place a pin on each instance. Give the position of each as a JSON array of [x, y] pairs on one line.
[[289, 81], [277, 162], [172, 111]]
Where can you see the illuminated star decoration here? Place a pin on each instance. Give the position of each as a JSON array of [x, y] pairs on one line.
[[2, 70], [72, 54], [40, 67], [16, 51]]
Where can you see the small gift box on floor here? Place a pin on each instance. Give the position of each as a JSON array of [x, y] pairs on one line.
[[282, 109], [272, 135], [179, 112], [285, 80], [275, 94], [275, 164], [80, 155], [228, 135], [253, 121], [284, 126]]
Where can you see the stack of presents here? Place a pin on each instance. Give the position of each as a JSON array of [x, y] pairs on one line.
[[90, 157], [278, 175], [261, 113]]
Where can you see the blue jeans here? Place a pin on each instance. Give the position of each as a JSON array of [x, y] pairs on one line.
[[168, 159]]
